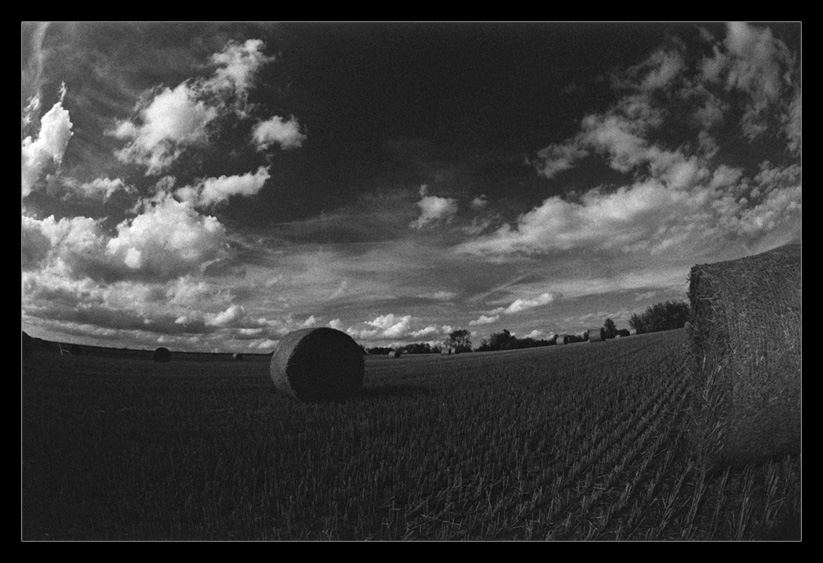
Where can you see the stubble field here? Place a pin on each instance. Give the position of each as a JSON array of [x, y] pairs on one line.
[[587, 441]]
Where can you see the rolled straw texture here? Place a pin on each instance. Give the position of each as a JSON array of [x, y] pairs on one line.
[[745, 335], [317, 364]]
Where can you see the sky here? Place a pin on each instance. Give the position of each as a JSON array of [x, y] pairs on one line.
[[212, 186]]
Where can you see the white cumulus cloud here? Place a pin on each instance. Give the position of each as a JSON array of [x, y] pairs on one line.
[[172, 120], [434, 209], [49, 146], [237, 64], [285, 133]]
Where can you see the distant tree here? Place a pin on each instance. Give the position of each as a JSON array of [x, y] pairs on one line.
[[460, 340], [507, 341], [417, 348], [609, 329], [661, 316], [380, 351], [502, 341]]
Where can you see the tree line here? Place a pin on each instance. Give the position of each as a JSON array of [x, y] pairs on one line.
[[661, 316]]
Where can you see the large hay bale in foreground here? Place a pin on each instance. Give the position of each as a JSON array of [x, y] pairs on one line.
[[596, 335], [745, 335], [162, 355], [317, 364]]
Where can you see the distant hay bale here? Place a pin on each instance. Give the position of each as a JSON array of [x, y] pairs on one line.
[[745, 335], [561, 339], [237, 357], [27, 345], [394, 354], [596, 335], [162, 355], [446, 352], [317, 364]]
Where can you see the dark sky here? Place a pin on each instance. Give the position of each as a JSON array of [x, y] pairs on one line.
[[214, 185]]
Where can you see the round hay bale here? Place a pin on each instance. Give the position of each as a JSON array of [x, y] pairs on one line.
[[394, 354], [596, 335], [745, 335], [562, 339], [237, 357], [317, 364], [162, 355], [27, 345]]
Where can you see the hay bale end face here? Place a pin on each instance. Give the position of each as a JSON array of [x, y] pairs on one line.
[[561, 339], [596, 335], [317, 364], [745, 336], [162, 355]]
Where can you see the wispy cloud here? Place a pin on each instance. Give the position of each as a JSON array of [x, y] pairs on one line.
[[484, 320], [213, 191]]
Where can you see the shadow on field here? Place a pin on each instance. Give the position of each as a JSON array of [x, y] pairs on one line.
[[395, 391]]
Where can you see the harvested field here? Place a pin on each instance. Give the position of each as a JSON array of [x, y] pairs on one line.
[[563, 443]]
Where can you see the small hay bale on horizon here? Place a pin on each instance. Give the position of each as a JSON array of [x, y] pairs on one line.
[[162, 355], [596, 335], [317, 364], [237, 357], [745, 338], [561, 339], [394, 354]]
